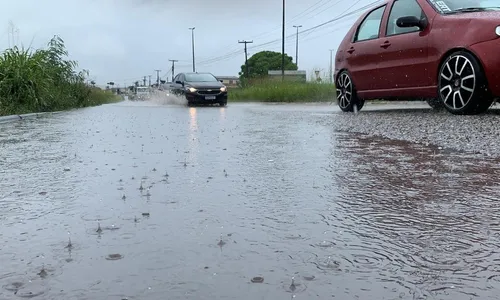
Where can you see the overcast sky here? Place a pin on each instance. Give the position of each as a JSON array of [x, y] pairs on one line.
[[123, 40]]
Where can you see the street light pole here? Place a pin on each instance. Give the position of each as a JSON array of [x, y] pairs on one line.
[[192, 46], [297, 45], [283, 44]]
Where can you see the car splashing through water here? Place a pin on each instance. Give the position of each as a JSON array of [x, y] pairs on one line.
[[166, 97]]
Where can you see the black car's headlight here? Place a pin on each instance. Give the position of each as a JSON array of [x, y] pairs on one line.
[[191, 89], [223, 89]]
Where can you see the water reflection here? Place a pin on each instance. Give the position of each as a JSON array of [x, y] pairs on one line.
[[425, 216], [222, 115], [193, 137], [343, 216]]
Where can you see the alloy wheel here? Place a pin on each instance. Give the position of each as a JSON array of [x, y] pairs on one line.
[[344, 90], [457, 82]]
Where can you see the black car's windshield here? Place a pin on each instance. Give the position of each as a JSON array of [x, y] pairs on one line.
[[200, 77], [457, 6]]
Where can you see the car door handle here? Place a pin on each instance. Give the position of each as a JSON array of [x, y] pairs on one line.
[[351, 50], [385, 44]]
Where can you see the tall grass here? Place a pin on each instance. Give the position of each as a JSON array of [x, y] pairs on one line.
[[283, 91], [44, 80]]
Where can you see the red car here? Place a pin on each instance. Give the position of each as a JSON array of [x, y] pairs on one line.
[[446, 52]]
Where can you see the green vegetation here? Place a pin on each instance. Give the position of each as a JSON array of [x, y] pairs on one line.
[[261, 62], [284, 91], [257, 85], [44, 80]]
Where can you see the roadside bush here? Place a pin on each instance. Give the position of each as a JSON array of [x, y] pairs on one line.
[[283, 91], [44, 80]]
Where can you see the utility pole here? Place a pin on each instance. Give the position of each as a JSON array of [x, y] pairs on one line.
[[144, 81], [246, 55], [283, 44], [173, 67], [331, 63], [297, 45], [157, 78], [192, 45]]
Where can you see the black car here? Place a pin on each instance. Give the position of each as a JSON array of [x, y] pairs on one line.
[[200, 88]]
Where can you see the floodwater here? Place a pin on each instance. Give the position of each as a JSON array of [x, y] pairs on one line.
[[229, 194]]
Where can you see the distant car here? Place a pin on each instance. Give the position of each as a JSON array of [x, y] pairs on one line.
[[200, 88], [446, 52], [142, 93]]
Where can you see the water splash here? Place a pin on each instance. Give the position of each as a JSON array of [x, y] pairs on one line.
[[166, 98]]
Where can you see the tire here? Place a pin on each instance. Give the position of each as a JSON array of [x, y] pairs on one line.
[[189, 103], [435, 104], [462, 85], [222, 104], [347, 97]]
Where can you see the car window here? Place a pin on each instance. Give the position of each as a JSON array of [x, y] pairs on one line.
[[200, 77], [403, 8], [370, 27], [447, 6]]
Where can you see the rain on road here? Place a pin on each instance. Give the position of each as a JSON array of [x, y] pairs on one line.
[[144, 201]]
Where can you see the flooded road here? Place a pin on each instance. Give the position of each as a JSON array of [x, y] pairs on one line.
[[144, 201]]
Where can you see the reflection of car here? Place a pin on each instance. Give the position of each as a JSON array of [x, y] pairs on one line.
[[142, 93], [200, 88], [443, 51]]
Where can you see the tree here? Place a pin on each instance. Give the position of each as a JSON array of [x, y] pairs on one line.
[[260, 63]]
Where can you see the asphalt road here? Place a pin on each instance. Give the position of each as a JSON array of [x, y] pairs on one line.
[[296, 194]]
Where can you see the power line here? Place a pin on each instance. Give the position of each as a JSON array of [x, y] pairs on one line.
[[309, 30], [305, 12], [235, 50], [173, 67], [323, 10], [294, 18], [246, 55], [303, 33], [322, 35], [342, 16], [165, 75]]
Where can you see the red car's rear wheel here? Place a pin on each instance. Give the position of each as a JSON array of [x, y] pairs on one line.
[[347, 96], [462, 86]]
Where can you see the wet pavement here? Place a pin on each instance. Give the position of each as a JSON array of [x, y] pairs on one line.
[[229, 194]]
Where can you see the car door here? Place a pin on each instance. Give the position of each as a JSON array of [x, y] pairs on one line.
[[177, 87], [182, 79], [362, 55], [173, 85], [404, 57]]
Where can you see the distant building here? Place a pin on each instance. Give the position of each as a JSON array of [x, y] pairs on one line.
[[230, 81], [298, 75]]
